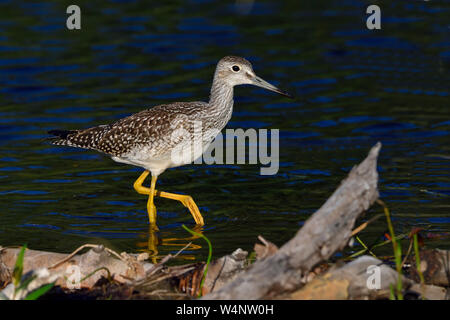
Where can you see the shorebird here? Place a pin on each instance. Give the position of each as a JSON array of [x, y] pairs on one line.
[[149, 138]]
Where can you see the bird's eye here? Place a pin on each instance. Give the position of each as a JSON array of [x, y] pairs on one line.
[[236, 68]]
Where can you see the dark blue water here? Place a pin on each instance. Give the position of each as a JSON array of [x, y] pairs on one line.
[[354, 87]]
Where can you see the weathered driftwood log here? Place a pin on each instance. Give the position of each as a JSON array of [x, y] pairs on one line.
[[121, 268], [363, 278], [326, 231], [224, 270], [430, 292]]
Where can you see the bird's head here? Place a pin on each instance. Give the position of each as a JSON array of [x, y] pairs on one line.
[[236, 71]]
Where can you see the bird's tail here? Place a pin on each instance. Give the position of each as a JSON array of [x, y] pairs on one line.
[[86, 139], [61, 137], [62, 134]]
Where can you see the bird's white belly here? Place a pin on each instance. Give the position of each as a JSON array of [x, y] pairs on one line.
[[155, 166], [184, 154]]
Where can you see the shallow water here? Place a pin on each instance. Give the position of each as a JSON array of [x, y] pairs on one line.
[[354, 87]]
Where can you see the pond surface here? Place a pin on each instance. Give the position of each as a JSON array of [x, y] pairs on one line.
[[354, 87]]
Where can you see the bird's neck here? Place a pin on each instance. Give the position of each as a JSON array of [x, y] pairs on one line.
[[221, 99]]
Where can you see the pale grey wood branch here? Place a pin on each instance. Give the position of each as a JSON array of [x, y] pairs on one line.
[[325, 232], [354, 280]]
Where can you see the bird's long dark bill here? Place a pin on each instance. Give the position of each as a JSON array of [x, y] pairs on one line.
[[257, 81]]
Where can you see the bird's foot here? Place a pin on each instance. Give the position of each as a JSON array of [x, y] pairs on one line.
[[189, 203]]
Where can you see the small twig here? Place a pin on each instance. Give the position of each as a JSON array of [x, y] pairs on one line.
[[70, 256], [264, 241], [365, 224], [407, 252], [145, 283], [401, 236], [159, 265], [365, 247], [266, 245], [10, 247]]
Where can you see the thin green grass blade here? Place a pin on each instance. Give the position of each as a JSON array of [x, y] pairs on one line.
[[209, 256], [418, 267], [397, 250], [391, 292], [18, 267], [416, 252], [398, 263], [35, 294], [364, 246]]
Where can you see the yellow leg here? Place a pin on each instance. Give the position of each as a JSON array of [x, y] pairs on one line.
[[151, 209], [186, 200], [138, 183]]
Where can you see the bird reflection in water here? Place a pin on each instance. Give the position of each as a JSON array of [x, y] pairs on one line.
[[157, 239]]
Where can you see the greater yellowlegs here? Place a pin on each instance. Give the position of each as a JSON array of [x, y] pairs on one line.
[[149, 138]]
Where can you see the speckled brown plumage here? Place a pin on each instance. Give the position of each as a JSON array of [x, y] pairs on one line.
[[147, 138], [152, 127]]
